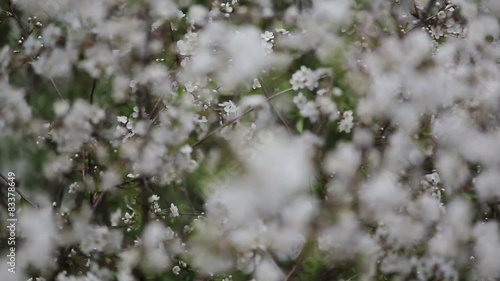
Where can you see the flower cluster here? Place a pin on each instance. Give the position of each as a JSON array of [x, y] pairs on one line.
[[251, 140]]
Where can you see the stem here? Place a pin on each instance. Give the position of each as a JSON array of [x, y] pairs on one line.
[[19, 192], [278, 114], [236, 119], [94, 83], [57, 89]]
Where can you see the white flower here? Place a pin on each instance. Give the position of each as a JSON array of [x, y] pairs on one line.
[[268, 46], [343, 161], [32, 46], [176, 269], [200, 119], [337, 92], [188, 45], [346, 123], [95, 239], [56, 63], [256, 84], [128, 218], [486, 184], [282, 31], [61, 107], [73, 187], [154, 198], [197, 14], [122, 119], [190, 87], [153, 238], [115, 217], [321, 92], [174, 211], [164, 9], [227, 7], [50, 35], [57, 166], [186, 149], [347, 114], [305, 78], [110, 179], [267, 36], [433, 178], [231, 109], [267, 270], [229, 106], [486, 248], [327, 107], [233, 54], [309, 110], [140, 128], [300, 100], [156, 207], [77, 126], [131, 176]]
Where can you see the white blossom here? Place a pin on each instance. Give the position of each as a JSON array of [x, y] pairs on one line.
[[305, 78], [346, 124], [176, 269], [174, 211], [370, 148]]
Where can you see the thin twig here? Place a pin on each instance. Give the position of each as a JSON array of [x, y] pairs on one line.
[[352, 277], [299, 259], [57, 89], [291, 272], [222, 127], [99, 200], [172, 38], [123, 184], [421, 23], [154, 108], [145, 206], [88, 169], [279, 93], [19, 192], [94, 83], [25, 32], [236, 119], [278, 114]]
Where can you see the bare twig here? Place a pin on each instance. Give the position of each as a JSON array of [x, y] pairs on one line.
[[352, 277], [123, 184], [236, 119], [88, 167], [25, 32], [57, 89], [94, 84], [145, 206], [279, 93], [99, 200], [291, 272], [19, 192], [278, 114], [426, 17], [300, 258], [222, 127]]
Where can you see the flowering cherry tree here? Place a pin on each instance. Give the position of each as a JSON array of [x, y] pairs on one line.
[[249, 140]]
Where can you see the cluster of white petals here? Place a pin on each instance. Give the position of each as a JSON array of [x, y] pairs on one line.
[[249, 140]]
